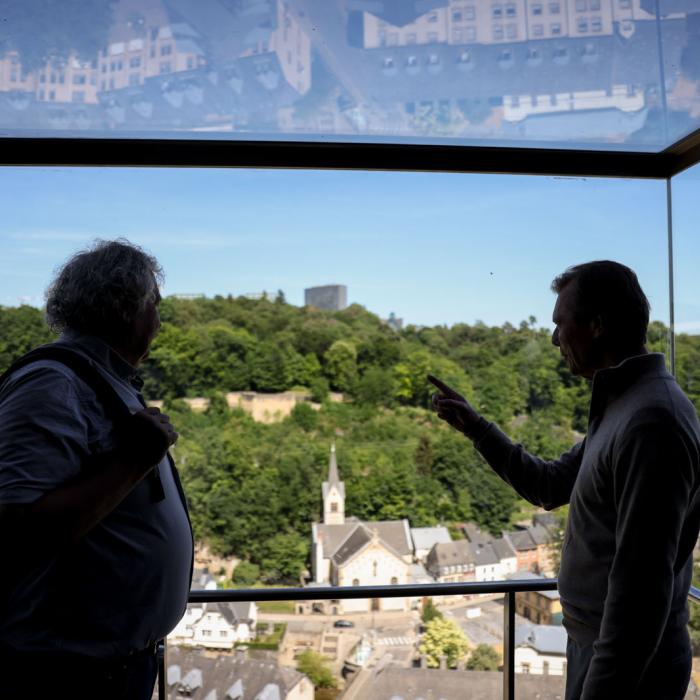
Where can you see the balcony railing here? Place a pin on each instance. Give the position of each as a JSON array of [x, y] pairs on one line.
[[509, 588]]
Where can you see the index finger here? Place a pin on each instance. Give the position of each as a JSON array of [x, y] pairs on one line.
[[448, 391]]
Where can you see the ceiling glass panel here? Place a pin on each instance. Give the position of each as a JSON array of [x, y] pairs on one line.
[[611, 74]]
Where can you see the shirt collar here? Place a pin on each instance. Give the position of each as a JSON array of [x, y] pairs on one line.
[[613, 381], [103, 353]]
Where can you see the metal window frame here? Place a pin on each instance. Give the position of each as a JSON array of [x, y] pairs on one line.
[[142, 150]]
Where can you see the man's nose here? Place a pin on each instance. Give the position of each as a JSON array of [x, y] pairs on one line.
[[555, 337]]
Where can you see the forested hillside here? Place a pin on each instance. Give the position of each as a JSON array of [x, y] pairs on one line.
[[254, 489]]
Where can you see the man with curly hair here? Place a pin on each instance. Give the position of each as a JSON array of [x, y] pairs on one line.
[[93, 522]]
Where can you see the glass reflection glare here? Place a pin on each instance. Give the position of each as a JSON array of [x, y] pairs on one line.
[[566, 73]]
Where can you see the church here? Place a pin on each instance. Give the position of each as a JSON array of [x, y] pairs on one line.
[[351, 552]]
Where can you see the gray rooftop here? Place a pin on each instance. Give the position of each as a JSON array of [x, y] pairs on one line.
[[393, 533], [204, 674], [503, 549], [396, 683], [451, 554], [475, 535], [484, 555], [520, 540], [426, 537], [545, 639]]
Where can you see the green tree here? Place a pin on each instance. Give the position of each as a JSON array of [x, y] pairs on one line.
[[246, 573], [304, 416], [430, 611], [317, 669], [341, 365], [483, 658], [443, 637], [284, 557]]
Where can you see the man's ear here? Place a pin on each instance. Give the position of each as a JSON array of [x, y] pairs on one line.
[[596, 326]]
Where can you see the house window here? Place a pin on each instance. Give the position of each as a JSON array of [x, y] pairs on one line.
[[457, 36], [596, 24], [595, 5], [497, 11], [581, 5], [166, 50], [394, 580], [512, 31], [134, 79], [582, 26], [545, 668], [525, 668], [224, 633], [537, 30], [79, 79], [511, 10], [432, 37], [469, 12], [13, 75], [555, 28], [52, 94], [206, 633], [456, 15], [433, 17], [497, 32], [165, 67], [554, 8], [537, 9], [134, 61], [470, 33]]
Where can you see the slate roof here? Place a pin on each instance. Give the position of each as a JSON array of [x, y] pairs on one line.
[[451, 554], [544, 639], [547, 520], [503, 549], [396, 12], [484, 555], [520, 540], [233, 613], [357, 541], [475, 535], [394, 533], [426, 537], [540, 535], [205, 674], [395, 683]]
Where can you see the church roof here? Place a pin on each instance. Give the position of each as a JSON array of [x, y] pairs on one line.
[[333, 477], [394, 534], [358, 540]]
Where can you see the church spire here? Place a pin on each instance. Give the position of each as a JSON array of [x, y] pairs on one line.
[[333, 494], [333, 477]]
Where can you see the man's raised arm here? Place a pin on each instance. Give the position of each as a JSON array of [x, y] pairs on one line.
[[545, 483]]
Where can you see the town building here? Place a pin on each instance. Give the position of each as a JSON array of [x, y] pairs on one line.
[[349, 552], [540, 607], [199, 676], [214, 625], [452, 562], [540, 649], [424, 538], [532, 546], [332, 297]]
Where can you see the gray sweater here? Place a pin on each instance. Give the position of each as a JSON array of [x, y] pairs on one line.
[[634, 517]]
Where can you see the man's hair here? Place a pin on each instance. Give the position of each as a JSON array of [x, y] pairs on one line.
[[610, 290], [100, 290]]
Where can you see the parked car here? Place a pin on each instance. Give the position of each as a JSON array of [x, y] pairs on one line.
[[343, 623]]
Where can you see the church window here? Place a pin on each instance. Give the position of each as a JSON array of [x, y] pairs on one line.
[[334, 507], [374, 568], [356, 582], [394, 580]]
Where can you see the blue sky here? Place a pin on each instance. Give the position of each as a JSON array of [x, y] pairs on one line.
[[433, 248]]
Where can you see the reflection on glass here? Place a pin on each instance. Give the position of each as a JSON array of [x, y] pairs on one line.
[[571, 73]]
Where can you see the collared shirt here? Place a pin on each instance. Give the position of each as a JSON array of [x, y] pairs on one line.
[[634, 517], [125, 584]]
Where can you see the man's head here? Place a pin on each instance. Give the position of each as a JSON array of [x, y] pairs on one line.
[[110, 291], [601, 316]]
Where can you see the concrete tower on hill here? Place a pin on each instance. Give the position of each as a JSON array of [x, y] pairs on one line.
[[333, 297]]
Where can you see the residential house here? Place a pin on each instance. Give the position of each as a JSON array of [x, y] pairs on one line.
[[540, 649], [214, 625], [487, 565], [452, 562], [532, 547], [540, 607], [192, 674], [425, 537]]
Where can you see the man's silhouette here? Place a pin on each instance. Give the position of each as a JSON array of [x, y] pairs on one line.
[[632, 485]]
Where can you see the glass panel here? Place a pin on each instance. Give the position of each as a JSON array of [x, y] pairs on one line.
[[570, 73]]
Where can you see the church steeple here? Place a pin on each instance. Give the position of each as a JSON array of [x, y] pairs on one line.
[[333, 494]]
